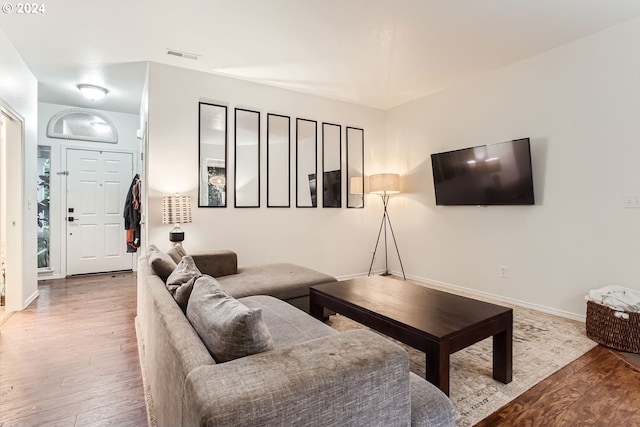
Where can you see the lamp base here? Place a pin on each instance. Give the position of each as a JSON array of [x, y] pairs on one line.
[[176, 235], [383, 225]]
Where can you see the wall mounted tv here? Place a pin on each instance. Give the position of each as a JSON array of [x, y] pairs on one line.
[[496, 174]]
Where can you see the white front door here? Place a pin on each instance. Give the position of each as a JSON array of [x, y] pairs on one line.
[[97, 186]]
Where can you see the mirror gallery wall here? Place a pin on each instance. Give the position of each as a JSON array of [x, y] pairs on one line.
[[264, 219], [309, 185]]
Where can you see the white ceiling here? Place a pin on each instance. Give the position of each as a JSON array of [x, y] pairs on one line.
[[379, 53]]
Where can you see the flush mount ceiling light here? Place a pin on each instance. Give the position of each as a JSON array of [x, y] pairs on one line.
[[92, 92]]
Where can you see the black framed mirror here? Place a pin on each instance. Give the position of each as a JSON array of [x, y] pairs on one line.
[[278, 161], [212, 153], [306, 163], [247, 158], [355, 167], [331, 165]]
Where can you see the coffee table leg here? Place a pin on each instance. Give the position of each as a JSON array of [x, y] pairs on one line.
[[438, 367], [503, 353], [315, 309]]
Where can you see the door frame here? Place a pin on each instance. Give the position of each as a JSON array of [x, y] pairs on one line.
[[15, 265], [63, 204]]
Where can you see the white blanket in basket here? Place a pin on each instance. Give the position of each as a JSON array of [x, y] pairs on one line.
[[616, 297]]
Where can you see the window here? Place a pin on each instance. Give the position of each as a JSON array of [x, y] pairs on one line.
[[82, 125], [44, 195]]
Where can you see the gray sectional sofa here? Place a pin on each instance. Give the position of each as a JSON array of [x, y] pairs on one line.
[[311, 375]]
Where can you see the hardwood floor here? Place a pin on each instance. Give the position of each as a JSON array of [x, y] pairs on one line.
[[601, 388], [71, 358]]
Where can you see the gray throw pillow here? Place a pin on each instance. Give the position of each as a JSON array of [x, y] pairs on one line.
[[228, 328], [176, 253], [184, 292], [184, 271], [161, 264]]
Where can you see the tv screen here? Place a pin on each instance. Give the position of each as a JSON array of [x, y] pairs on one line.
[[496, 174]]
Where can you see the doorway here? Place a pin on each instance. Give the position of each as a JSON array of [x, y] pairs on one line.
[[11, 215], [97, 183], [3, 213]]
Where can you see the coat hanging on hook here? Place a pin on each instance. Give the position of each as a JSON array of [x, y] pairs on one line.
[[132, 215]]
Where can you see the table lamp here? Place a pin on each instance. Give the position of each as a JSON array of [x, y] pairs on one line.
[[176, 210]]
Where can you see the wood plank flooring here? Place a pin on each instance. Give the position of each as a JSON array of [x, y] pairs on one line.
[[601, 388], [71, 358]]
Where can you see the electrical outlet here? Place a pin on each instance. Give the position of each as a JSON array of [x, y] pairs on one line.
[[504, 271], [631, 200]]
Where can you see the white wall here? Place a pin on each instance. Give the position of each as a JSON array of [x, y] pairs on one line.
[[579, 104], [144, 162], [19, 91], [126, 125], [337, 241]]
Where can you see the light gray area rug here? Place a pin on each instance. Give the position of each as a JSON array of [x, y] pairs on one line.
[[542, 344]]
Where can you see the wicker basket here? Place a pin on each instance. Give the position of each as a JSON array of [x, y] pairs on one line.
[[613, 331]]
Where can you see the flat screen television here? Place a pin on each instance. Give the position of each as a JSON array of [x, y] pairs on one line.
[[496, 174]]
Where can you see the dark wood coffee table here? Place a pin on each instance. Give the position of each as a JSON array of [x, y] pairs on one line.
[[437, 323]]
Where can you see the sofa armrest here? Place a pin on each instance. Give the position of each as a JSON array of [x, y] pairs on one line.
[[217, 263], [352, 378], [430, 407]]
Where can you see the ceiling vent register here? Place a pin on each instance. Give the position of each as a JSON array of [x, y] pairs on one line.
[[181, 54]]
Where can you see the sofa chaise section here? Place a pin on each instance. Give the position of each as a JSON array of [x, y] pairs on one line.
[[288, 282], [285, 281]]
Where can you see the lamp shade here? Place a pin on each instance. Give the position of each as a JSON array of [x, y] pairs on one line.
[[384, 183], [176, 209]]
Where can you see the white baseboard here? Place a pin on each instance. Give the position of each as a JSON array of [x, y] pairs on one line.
[[49, 276], [31, 299], [4, 316], [544, 309], [355, 275]]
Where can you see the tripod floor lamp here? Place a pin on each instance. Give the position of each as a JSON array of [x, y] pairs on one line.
[[385, 184]]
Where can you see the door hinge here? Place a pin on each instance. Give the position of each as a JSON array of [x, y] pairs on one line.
[[65, 173]]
